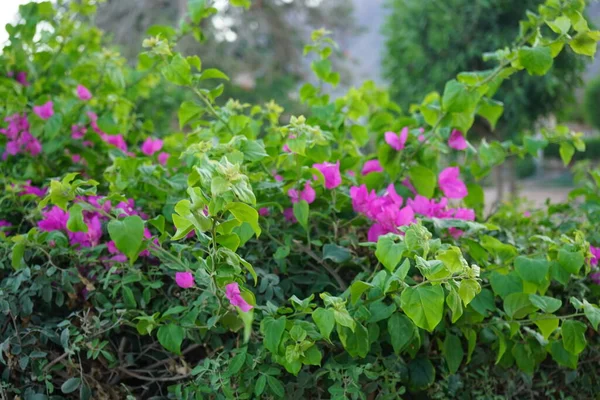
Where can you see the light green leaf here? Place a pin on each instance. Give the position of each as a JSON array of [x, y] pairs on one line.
[[75, 222], [388, 252], [244, 213], [187, 111], [178, 71], [357, 289], [454, 302], [571, 261], [423, 179], [453, 259], [592, 313], [301, 213], [566, 151], [545, 303], [458, 98], [127, 235], [424, 305], [536, 60], [546, 323], [469, 288], [324, 320]]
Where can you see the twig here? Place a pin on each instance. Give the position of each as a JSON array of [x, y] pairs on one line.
[[152, 379]]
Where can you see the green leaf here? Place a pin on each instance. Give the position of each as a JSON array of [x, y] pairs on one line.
[[273, 332], [70, 385], [196, 9], [240, 3], [532, 270], [324, 320], [518, 305], [421, 373], [213, 73], [453, 352], [560, 25], [534, 145], [357, 289], [335, 253], [571, 261], [592, 313], [75, 222], [547, 323], [259, 387], [503, 285], [236, 364], [424, 305], [585, 43], [536, 60], [388, 252], [423, 179], [276, 386], [128, 297], [52, 126], [170, 337], [545, 303], [312, 356], [491, 110], [524, 358], [573, 336], [343, 318], [453, 260], [454, 302], [562, 356], [469, 288], [178, 71], [491, 154], [244, 213], [107, 124], [566, 151], [301, 213], [401, 330], [187, 111], [458, 98], [18, 251], [127, 235]]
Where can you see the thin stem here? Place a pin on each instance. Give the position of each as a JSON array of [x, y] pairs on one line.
[[212, 110]]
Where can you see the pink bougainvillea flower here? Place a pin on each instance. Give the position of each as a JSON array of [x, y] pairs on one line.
[[421, 138], [116, 140], [263, 211], [595, 255], [288, 213], [22, 78], [397, 142], [466, 214], [54, 219], [408, 184], [331, 173], [361, 198], [184, 280], [308, 194], [83, 93], [151, 146], [372, 166], [29, 189], [78, 131], [393, 195], [595, 277], [428, 207], [19, 139], [451, 184], [375, 231], [45, 111], [351, 173], [457, 140], [232, 292], [4, 224], [527, 214], [89, 238], [163, 157]]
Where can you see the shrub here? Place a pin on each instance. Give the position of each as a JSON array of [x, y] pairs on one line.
[[240, 257], [591, 102]]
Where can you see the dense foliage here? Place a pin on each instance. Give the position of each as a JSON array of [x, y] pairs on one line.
[[447, 37], [341, 254]]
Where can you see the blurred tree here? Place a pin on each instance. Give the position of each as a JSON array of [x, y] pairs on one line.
[[259, 48], [428, 42]]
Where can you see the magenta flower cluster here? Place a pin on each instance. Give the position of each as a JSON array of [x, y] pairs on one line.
[[19, 139]]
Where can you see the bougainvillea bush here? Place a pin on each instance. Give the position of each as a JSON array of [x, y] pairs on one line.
[[234, 253]]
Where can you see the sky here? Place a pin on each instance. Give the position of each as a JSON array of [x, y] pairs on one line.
[[8, 11]]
